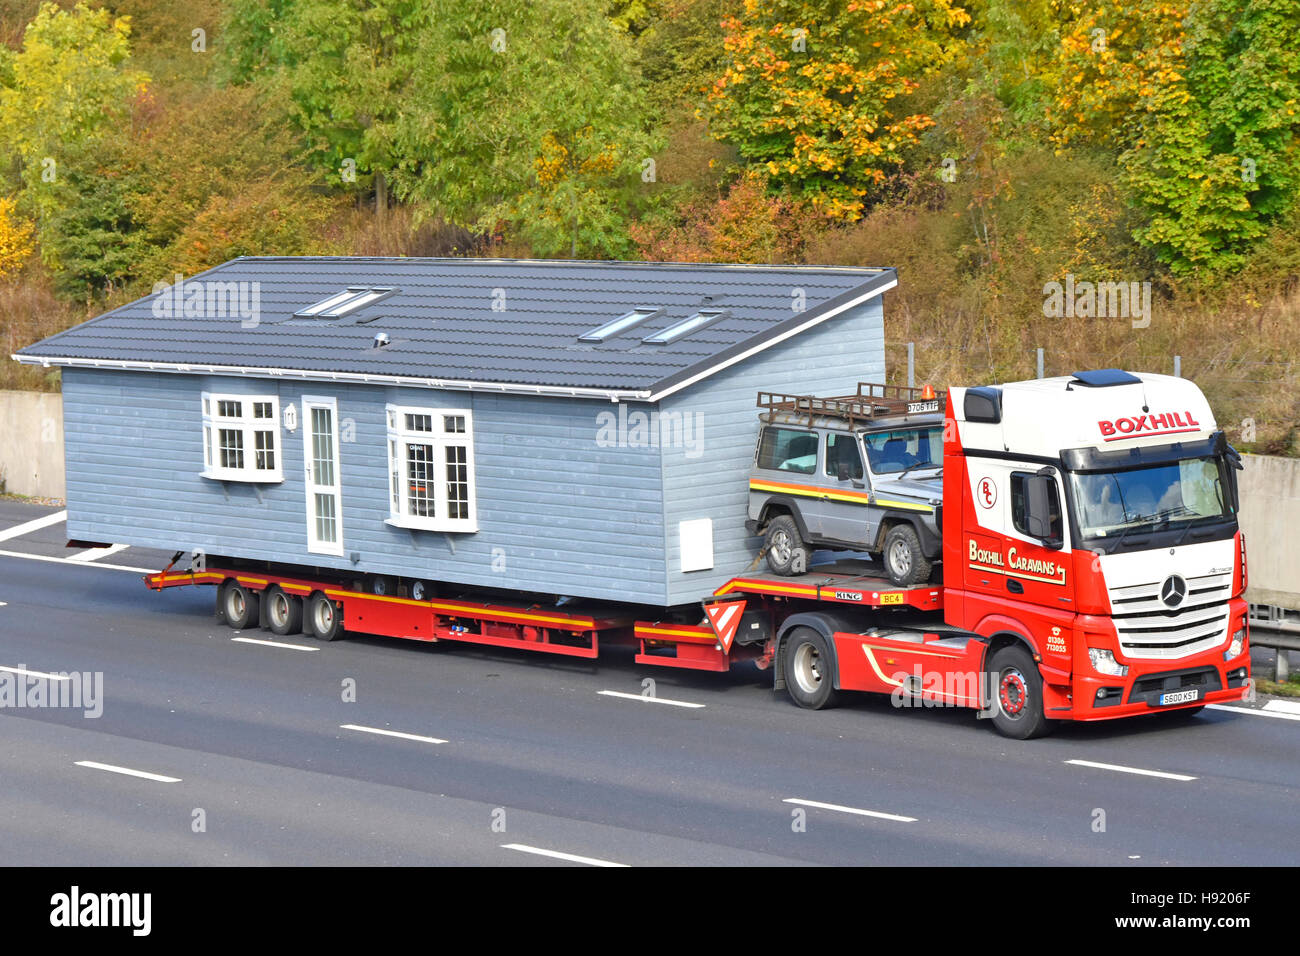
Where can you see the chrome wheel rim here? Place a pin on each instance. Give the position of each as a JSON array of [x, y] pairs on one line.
[[900, 558], [807, 668], [781, 546], [279, 609]]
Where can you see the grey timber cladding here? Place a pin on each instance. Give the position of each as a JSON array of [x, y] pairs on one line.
[[557, 512], [469, 320]]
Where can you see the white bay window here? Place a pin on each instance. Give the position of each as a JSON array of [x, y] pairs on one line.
[[431, 469]]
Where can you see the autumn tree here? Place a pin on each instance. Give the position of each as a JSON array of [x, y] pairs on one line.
[[68, 89], [1203, 102], [817, 91], [15, 239]]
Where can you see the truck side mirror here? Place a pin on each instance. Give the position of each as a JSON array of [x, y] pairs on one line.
[[1039, 492]]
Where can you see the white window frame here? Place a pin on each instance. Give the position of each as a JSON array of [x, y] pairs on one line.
[[399, 475], [248, 427]]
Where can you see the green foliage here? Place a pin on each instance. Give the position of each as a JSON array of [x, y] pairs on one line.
[[1218, 154], [531, 115], [346, 66]]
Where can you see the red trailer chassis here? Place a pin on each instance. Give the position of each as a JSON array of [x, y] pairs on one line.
[[713, 641]]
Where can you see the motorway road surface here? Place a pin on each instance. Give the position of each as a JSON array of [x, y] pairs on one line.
[[248, 753]]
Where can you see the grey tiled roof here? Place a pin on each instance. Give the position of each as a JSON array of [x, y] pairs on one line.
[[442, 324]]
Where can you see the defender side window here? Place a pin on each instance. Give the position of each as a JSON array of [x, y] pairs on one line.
[[788, 449], [843, 460]]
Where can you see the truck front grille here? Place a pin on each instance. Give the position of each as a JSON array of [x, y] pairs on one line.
[[1149, 629]]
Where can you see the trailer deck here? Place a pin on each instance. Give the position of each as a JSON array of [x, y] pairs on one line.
[[735, 623]]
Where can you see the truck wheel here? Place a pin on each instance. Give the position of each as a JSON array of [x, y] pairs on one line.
[[786, 551], [905, 562], [420, 591], [323, 618], [808, 667], [239, 605], [1018, 709], [283, 611]]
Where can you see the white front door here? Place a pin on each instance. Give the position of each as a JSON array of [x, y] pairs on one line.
[[320, 435]]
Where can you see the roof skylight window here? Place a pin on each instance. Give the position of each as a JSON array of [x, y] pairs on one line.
[[685, 327], [621, 324], [353, 298]]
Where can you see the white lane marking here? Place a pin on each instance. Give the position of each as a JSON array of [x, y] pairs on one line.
[[1253, 711], [392, 733], [128, 771], [27, 527], [1138, 770], [854, 810], [254, 640], [82, 564], [26, 673], [557, 855], [4, 603], [1284, 706], [648, 700], [94, 554]]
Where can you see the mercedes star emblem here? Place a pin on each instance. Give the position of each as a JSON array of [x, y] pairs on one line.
[[1173, 591]]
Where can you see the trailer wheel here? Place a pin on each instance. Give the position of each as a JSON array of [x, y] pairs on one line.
[[808, 666], [786, 551], [283, 611], [1018, 709], [420, 591], [239, 605], [905, 562], [323, 618]]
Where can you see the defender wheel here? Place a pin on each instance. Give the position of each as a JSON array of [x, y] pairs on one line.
[[808, 666], [905, 562], [1018, 686], [324, 618], [283, 612], [239, 605], [786, 551]]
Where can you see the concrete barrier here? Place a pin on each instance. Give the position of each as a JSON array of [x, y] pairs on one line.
[[1270, 520], [31, 444]]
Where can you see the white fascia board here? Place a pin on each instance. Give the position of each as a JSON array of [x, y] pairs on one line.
[[749, 353], [361, 378]]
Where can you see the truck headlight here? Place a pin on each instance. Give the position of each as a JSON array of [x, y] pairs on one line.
[[1103, 662], [1234, 649]]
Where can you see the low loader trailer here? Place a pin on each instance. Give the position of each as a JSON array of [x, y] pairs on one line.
[[1091, 568]]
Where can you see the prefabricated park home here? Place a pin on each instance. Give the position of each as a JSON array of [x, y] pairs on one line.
[[558, 427]]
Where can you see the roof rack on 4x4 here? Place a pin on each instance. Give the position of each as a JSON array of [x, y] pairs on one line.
[[872, 400]]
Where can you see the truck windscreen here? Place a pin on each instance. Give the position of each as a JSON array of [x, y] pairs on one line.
[[1173, 495]]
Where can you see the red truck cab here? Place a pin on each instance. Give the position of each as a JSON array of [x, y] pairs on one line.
[[1090, 535]]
